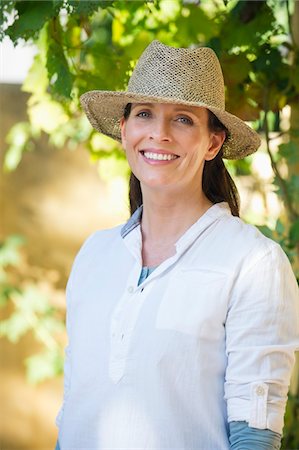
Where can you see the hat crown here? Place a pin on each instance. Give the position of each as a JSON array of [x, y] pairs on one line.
[[181, 74], [166, 74]]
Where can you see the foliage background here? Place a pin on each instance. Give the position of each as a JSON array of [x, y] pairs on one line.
[[90, 45]]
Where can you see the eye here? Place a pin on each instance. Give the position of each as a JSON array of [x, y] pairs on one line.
[[143, 114], [185, 120]]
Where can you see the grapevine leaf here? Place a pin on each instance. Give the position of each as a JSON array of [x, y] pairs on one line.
[[87, 8], [290, 151], [266, 231], [61, 79], [9, 251], [31, 17], [14, 327], [294, 233], [7, 10], [44, 365], [36, 81]]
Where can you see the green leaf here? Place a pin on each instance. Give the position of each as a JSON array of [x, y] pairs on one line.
[[51, 324], [10, 250], [235, 68], [293, 188], [32, 16], [237, 32], [195, 25], [14, 327], [44, 366], [36, 81], [279, 227], [7, 10], [290, 151], [6, 290], [243, 166], [61, 79], [19, 140], [33, 300], [295, 76], [294, 233], [87, 8], [266, 231], [47, 115]]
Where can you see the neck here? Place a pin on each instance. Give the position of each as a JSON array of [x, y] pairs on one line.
[[166, 217]]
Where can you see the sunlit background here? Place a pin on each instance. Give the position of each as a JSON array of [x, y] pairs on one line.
[[51, 200]]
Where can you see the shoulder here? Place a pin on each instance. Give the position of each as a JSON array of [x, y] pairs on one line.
[[100, 239], [98, 246], [260, 274], [241, 244]]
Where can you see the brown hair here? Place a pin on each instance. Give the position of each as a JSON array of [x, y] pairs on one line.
[[217, 184]]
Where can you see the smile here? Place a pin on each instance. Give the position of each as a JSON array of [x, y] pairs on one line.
[[159, 156]]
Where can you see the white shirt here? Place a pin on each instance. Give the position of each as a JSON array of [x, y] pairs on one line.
[[208, 338]]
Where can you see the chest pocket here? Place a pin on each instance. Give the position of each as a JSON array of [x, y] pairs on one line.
[[195, 302]]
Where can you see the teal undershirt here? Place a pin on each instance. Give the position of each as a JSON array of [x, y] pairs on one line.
[[145, 272], [241, 436]]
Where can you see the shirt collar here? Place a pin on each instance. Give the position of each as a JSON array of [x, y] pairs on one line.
[[204, 222], [132, 223], [213, 212], [132, 238]]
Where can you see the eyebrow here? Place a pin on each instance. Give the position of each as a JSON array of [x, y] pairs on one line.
[[136, 105], [178, 107]]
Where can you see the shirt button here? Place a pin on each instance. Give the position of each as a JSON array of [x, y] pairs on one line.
[[260, 391], [130, 289]]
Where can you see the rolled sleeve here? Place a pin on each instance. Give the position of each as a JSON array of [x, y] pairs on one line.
[[262, 334]]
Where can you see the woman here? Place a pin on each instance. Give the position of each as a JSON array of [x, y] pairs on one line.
[[183, 322]]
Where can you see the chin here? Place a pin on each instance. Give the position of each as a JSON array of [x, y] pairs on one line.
[[156, 183]]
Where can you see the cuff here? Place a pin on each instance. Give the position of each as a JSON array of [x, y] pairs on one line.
[[257, 411]]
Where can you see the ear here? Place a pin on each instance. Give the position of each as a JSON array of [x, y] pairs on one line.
[[216, 142], [123, 131]]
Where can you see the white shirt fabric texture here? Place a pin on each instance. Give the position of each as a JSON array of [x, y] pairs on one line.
[[208, 338]]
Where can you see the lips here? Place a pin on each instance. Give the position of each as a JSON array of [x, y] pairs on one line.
[[158, 155]]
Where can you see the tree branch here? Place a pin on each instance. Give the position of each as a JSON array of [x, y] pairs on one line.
[[280, 179], [290, 25]]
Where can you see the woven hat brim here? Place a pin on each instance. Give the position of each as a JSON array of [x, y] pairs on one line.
[[104, 110]]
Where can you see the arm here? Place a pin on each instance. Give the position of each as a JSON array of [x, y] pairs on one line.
[[67, 362], [243, 437], [262, 334], [67, 365]]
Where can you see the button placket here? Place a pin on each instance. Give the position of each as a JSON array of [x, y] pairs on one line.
[[123, 322], [258, 410], [122, 325]]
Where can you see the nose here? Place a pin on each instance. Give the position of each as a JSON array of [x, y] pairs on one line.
[[160, 130]]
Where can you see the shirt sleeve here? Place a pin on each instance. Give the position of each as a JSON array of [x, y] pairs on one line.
[[262, 334], [243, 437], [67, 361]]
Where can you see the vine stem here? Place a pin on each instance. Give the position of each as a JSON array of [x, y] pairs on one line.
[[280, 179], [293, 40]]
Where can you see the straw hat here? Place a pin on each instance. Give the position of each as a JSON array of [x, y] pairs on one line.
[[166, 74]]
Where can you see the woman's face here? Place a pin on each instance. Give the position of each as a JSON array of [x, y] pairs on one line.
[[167, 144]]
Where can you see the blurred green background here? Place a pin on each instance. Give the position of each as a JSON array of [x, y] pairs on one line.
[[61, 180]]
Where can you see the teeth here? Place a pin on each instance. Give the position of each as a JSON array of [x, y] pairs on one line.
[[159, 156]]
